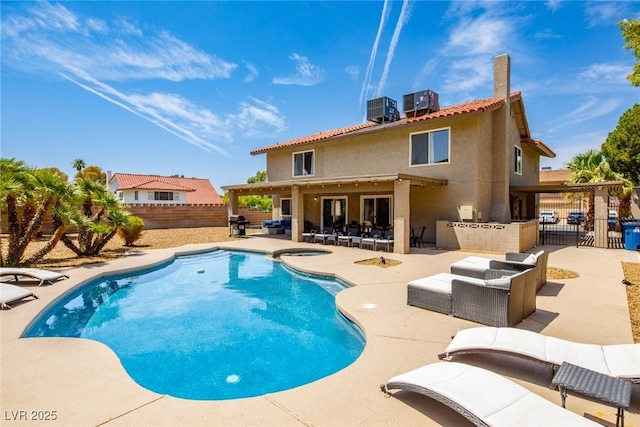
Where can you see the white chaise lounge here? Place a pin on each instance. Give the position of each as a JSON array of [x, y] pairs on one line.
[[12, 293], [621, 360], [484, 397], [32, 273]]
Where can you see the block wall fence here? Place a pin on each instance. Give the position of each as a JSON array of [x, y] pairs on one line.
[[176, 216]]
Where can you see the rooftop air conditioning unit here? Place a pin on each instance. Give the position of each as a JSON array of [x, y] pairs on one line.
[[381, 110], [418, 103]]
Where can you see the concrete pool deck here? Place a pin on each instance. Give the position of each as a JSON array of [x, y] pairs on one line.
[[85, 384]]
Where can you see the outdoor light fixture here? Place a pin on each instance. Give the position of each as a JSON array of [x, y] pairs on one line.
[[315, 198]]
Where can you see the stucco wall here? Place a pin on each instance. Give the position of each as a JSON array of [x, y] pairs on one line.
[[182, 216], [491, 237]]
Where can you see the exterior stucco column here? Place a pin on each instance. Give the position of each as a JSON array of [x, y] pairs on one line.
[[401, 216], [297, 214], [601, 210], [232, 206]]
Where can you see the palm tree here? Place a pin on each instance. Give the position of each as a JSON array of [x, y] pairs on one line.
[[591, 166], [100, 215], [36, 191], [79, 164]]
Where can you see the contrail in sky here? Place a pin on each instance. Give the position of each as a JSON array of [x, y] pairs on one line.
[[374, 51], [402, 19]]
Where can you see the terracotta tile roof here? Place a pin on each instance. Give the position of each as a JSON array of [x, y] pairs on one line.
[[199, 191], [480, 105], [319, 136]]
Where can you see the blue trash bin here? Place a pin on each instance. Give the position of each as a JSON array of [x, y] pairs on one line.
[[631, 231]]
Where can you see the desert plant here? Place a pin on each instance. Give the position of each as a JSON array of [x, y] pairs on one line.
[[132, 230]]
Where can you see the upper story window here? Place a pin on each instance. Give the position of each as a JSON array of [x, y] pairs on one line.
[[430, 147], [163, 195], [304, 163], [517, 160]]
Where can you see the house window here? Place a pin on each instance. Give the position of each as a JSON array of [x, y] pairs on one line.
[[303, 163], [160, 195], [429, 147], [377, 210], [285, 207], [135, 195], [120, 195], [517, 160]]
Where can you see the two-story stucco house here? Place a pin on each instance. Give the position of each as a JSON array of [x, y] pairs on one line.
[[162, 190], [458, 163]]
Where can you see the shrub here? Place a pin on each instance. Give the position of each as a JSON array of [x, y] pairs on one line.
[[132, 231]]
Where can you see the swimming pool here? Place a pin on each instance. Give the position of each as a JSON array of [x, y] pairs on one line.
[[213, 326]]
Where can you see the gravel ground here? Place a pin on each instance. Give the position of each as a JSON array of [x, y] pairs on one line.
[[159, 239]]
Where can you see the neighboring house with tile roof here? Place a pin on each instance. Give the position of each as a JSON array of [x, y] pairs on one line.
[[461, 162], [162, 190]]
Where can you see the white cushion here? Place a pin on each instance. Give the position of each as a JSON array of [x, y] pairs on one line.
[[623, 360], [531, 259], [441, 282]]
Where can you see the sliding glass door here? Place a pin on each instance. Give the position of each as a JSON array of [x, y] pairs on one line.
[[334, 212], [377, 210]]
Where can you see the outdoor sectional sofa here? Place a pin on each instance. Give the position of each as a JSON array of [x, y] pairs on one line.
[[500, 298], [475, 266]]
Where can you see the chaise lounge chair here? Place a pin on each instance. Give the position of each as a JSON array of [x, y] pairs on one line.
[[621, 360], [12, 293], [32, 273], [484, 397]]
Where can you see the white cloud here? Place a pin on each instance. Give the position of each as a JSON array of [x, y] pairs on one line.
[[483, 35], [604, 13], [51, 38], [353, 71], [554, 4], [306, 73], [603, 73], [260, 119], [253, 72], [590, 109]]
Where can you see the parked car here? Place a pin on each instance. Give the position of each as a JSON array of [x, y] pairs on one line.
[[548, 217], [575, 217], [613, 220]]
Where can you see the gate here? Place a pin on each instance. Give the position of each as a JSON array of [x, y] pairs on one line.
[[570, 224]]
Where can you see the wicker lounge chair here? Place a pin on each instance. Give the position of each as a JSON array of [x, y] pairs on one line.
[[42, 276], [621, 360], [474, 266], [484, 397], [496, 300], [12, 293]]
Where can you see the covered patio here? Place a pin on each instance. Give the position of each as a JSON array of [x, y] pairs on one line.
[[382, 200]]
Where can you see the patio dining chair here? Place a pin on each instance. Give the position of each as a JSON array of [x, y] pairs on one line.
[[416, 238]]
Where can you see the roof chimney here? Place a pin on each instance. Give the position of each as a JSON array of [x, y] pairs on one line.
[[501, 77]]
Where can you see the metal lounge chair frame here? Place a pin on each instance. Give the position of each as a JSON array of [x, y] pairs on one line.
[[11, 293], [44, 276]]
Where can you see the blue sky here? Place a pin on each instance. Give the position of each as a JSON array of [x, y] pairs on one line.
[[191, 88]]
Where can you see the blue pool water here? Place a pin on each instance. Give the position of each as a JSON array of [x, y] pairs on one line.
[[220, 325]]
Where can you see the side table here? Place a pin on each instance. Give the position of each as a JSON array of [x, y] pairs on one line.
[[604, 388]]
